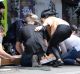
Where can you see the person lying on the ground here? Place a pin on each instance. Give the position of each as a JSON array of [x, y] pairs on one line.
[[72, 45], [58, 30]]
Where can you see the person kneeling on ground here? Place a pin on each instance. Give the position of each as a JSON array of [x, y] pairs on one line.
[[33, 42]]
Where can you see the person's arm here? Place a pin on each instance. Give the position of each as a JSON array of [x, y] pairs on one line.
[[41, 27], [19, 47], [3, 53], [47, 22], [19, 41]]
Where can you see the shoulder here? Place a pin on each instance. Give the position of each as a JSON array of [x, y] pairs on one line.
[[49, 20]]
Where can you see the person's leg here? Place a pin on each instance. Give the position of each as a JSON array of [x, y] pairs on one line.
[[78, 54], [56, 53], [72, 54], [62, 32], [40, 54], [26, 60], [69, 58], [69, 61]]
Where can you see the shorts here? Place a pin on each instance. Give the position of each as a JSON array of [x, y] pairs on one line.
[[62, 32]]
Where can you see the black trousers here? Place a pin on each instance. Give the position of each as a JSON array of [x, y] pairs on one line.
[[62, 32], [26, 60]]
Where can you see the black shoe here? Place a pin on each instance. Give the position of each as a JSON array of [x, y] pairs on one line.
[[57, 63]]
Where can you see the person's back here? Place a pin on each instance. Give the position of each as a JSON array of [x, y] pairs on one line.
[[53, 23], [56, 21], [31, 39], [73, 41]]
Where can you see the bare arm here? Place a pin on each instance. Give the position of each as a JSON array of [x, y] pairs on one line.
[[19, 47], [47, 22], [3, 53]]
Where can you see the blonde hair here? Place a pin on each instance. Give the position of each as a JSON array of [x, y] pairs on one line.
[[33, 17]]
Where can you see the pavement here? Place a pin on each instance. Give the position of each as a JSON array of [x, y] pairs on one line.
[[40, 70]]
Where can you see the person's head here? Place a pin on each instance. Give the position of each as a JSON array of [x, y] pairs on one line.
[[45, 14], [74, 29], [2, 7], [30, 17]]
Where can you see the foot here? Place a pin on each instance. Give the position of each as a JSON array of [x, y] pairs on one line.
[[47, 59], [78, 60], [58, 63]]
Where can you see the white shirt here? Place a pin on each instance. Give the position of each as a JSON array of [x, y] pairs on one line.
[[73, 41]]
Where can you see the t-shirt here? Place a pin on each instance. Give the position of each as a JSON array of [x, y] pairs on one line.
[[1, 38], [73, 41], [32, 40]]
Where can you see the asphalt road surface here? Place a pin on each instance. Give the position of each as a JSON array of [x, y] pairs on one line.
[[40, 70]]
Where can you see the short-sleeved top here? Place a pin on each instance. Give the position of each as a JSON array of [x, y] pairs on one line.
[[73, 41], [31, 39]]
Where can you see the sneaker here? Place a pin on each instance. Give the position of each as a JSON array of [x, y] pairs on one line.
[[46, 60]]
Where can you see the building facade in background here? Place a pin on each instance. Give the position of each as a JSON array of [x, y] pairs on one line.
[[64, 9]]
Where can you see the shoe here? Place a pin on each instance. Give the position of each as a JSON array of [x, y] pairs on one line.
[[57, 63], [46, 60], [78, 60]]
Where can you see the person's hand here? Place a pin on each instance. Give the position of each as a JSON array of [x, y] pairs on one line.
[[38, 28], [12, 58]]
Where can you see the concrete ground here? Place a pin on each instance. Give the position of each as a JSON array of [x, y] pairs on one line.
[[40, 70]]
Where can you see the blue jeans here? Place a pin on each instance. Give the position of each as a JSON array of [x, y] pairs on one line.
[[70, 57]]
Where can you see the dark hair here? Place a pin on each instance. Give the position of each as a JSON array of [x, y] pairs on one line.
[[2, 5], [74, 28], [47, 13]]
